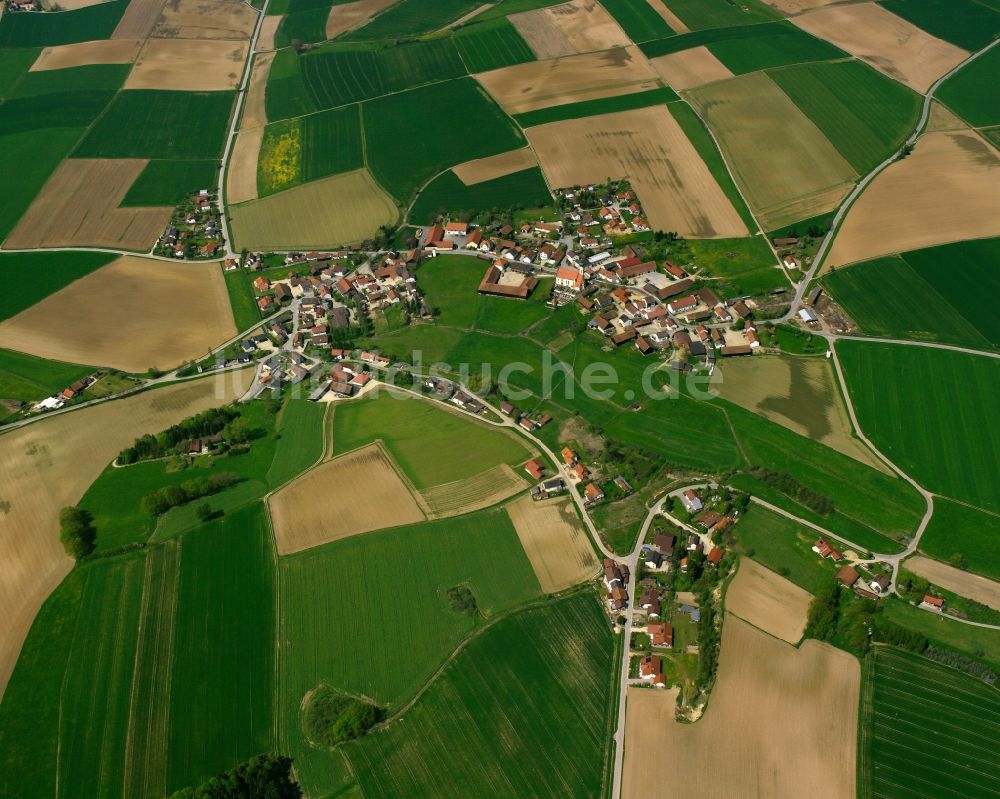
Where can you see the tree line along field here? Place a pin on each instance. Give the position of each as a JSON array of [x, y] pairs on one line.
[[146, 648], [448, 194], [535, 690], [926, 730], [931, 424], [911, 296]]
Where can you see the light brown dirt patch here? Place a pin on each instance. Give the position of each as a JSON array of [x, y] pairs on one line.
[[648, 147], [554, 540], [889, 43], [496, 166], [138, 19], [782, 720], [254, 109], [473, 493], [539, 84], [78, 206], [971, 586], [690, 68], [942, 119], [676, 23], [336, 210], [81, 54], [132, 314], [581, 26], [355, 493], [945, 191], [768, 601], [50, 464], [70, 5], [790, 7], [241, 179], [788, 170], [269, 27], [348, 16], [188, 65], [205, 19]]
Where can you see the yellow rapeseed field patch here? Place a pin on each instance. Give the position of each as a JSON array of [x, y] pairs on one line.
[[279, 161]]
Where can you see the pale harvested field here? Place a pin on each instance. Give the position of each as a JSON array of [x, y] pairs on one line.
[[254, 110], [78, 206], [972, 586], [690, 68], [473, 493], [798, 393], [791, 7], [496, 166], [50, 464], [138, 19], [349, 16], [205, 19], [942, 119], [786, 167], [945, 191], [241, 179], [555, 542], [268, 28], [580, 26], [105, 51], [768, 601], [132, 314], [889, 43], [781, 721], [539, 84], [355, 493], [466, 17], [197, 65], [676, 23], [648, 147], [336, 210]]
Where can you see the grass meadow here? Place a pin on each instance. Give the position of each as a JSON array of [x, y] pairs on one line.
[[782, 545], [14, 65], [974, 93], [25, 378], [927, 731], [30, 277], [638, 19], [957, 529], [534, 690], [602, 105], [976, 643], [242, 299], [931, 422], [41, 30], [491, 45], [170, 182], [447, 193], [745, 266], [300, 427]]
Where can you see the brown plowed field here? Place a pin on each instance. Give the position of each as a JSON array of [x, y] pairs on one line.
[[580, 26], [496, 166], [254, 110], [241, 179], [555, 542], [268, 28], [105, 51], [676, 23], [690, 68], [196, 65], [473, 493], [205, 19], [768, 601], [138, 19]]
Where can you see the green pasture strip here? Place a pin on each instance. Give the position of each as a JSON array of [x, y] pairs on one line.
[[638, 19], [603, 105]]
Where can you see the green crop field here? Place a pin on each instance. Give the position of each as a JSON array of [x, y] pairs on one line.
[[304, 20], [73, 79], [783, 546], [446, 193], [931, 422], [926, 731], [638, 19], [703, 142], [370, 614], [402, 163], [745, 266], [301, 444], [698, 14], [32, 276], [14, 65], [770, 46], [75, 109], [412, 429], [970, 534], [82, 25], [865, 115], [504, 8], [535, 690], [242, 300], [411, 18], [974, 93], [603, 105], [147, 123], [913, 296], [967, 23], [491, 45], [171, 182], [25, 378]]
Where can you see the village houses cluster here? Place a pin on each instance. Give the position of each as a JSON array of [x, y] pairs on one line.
[[194, 231]]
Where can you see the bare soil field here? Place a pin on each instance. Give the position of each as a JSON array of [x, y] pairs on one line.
[[241, 179], [539, 84], [81, 54], [945, 191], [796, 712], [891, 44], [132, 314], [205, 19], [78, 206], [188, 65], [138, 19], [50, 464], [791, 7], [942, 119], [647, 146], [349, 16], [474, 493], [554, 540], [268, 28], [336, 210], [788, 170], [580, 26], [676, 23], [371, 495], [768, 601], [798, 393], [690, 68], [254, 111], [496, 166], [971, 586]]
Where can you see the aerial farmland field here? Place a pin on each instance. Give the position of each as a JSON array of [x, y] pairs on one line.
[[491, 45], [973, 93], [960, 533], [447, 192]]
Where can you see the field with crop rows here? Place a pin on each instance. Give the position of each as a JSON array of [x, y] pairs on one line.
[[974, 93], [170, 182], [491, 45], [638, 19], [966, 532]]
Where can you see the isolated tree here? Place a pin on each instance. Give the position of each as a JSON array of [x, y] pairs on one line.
[[76, 531], [204, 512]]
